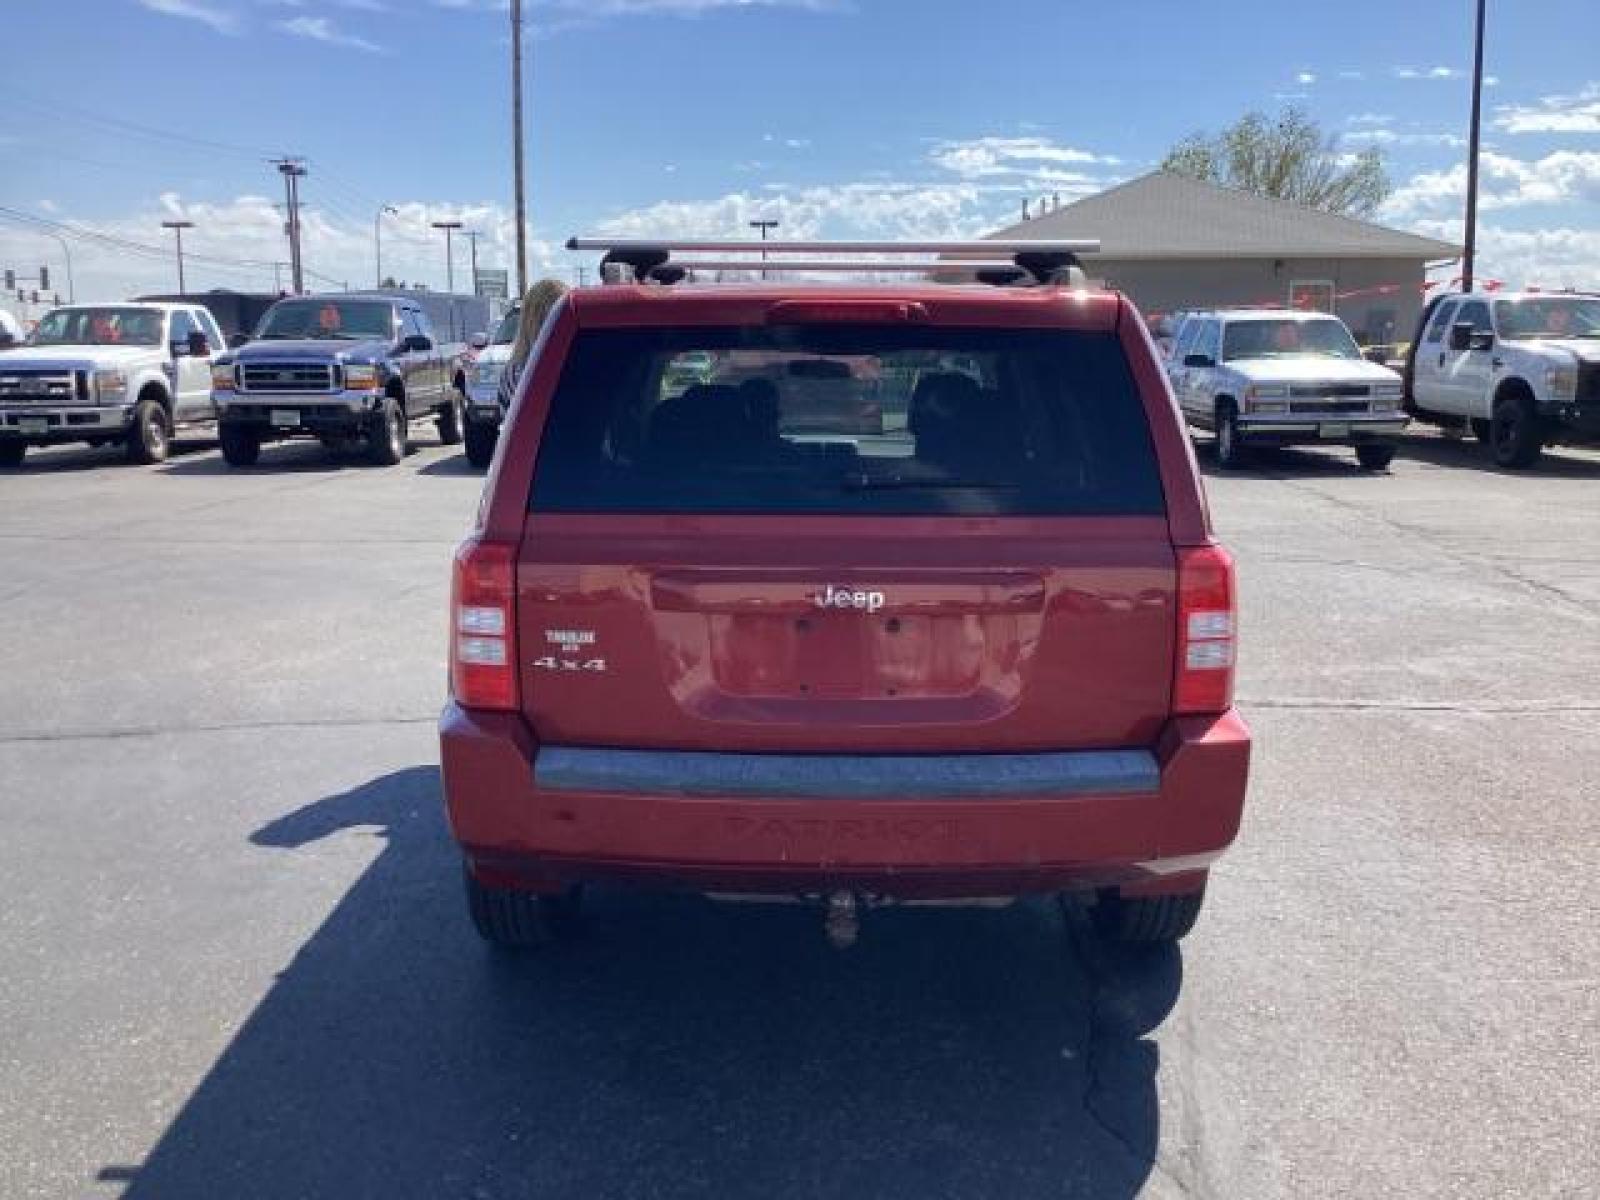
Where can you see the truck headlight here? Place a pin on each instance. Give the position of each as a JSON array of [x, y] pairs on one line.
[[360, 377], [1268, 391], [1387, 395], [222, 377], [1561, 381], [110, 384]]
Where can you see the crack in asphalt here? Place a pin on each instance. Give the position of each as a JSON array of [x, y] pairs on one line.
[[1582, 608], [1097, 971], [77, 735]]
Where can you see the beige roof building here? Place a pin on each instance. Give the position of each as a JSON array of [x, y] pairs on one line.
[[1172, 243]]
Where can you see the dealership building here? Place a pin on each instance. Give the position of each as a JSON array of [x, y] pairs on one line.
[[1171, 243]]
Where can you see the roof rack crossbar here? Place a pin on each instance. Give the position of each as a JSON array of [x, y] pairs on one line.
[[1045, 260], [977, 248]]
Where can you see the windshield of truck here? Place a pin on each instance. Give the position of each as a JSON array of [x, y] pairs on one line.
[[847, 420], [1548, 317], [506, 332], [337, 320], [1288, 338], [111, 326]]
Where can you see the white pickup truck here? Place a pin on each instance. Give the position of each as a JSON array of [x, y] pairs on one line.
[[1520, 369], [103, 373], [1269, 378]]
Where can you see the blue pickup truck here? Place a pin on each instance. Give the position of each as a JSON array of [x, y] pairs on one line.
[[351, 369]]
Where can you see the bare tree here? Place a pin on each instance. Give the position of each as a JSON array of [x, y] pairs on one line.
[[1287, 158]]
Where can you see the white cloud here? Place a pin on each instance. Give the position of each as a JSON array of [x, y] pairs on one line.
[[49, 206], [1564, 177], [320, 29], [986, 157], [1429, 73], [1579, 113], [192, 10], [1388, 137], [1547, 258], [250, 228], [1306, 77], [1370, 119]]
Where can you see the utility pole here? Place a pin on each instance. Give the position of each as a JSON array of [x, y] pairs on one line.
[[472, 235], [377, 241], [516, 146], [583, 275], [293, 170], [177, 228], [764, 225], [1468, 261]]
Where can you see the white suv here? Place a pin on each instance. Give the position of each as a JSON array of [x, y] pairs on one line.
[[1275, 377]]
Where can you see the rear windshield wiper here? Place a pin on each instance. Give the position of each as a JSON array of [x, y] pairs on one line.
[[876, 483]]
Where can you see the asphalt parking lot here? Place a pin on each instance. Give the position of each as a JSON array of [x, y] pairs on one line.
[[236, 961]]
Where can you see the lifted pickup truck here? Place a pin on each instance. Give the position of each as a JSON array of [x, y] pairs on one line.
[[104, 373], [345, 369], [1520, 369]]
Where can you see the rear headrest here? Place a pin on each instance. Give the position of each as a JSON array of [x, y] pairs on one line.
[[704, 417], [943, 399]]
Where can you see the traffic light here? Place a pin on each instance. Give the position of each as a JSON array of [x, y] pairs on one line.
[[11, 280], [44, 278]]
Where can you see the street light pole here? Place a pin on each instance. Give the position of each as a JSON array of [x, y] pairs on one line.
[[377, 240], [449, 228], [178, 227], [472, 235], [764, 225], [1469, 258]]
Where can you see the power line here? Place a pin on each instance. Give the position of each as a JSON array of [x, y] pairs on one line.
[[62, 111]]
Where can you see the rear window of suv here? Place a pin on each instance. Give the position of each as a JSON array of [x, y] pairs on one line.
[[845, 419]]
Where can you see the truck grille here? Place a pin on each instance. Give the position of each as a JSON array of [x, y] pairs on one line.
[[43, 387], [1329, 406], [287, 377], [1315, 390]]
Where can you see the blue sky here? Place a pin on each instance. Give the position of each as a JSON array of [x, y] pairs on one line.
[[881, 117]]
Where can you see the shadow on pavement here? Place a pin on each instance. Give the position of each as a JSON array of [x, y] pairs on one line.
[[1471, 454], [1289, 462], [678, 1048], [452, 464], [81, 457]]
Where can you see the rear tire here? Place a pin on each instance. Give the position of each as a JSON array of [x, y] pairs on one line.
[[1231, 454], [240, 447], [1141, 920], [453, 418], [386, 441], [12, 453], [150, 435], [1515, 438], [481, 439], [513, 920], [1374, 458]]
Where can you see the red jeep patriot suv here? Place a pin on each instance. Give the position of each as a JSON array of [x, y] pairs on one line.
[[848, 593]]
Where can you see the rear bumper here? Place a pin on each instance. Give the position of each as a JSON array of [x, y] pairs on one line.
[[1014, 823]]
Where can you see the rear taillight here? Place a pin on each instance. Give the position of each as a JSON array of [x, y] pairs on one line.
[[1207, 617], [483, 639]]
